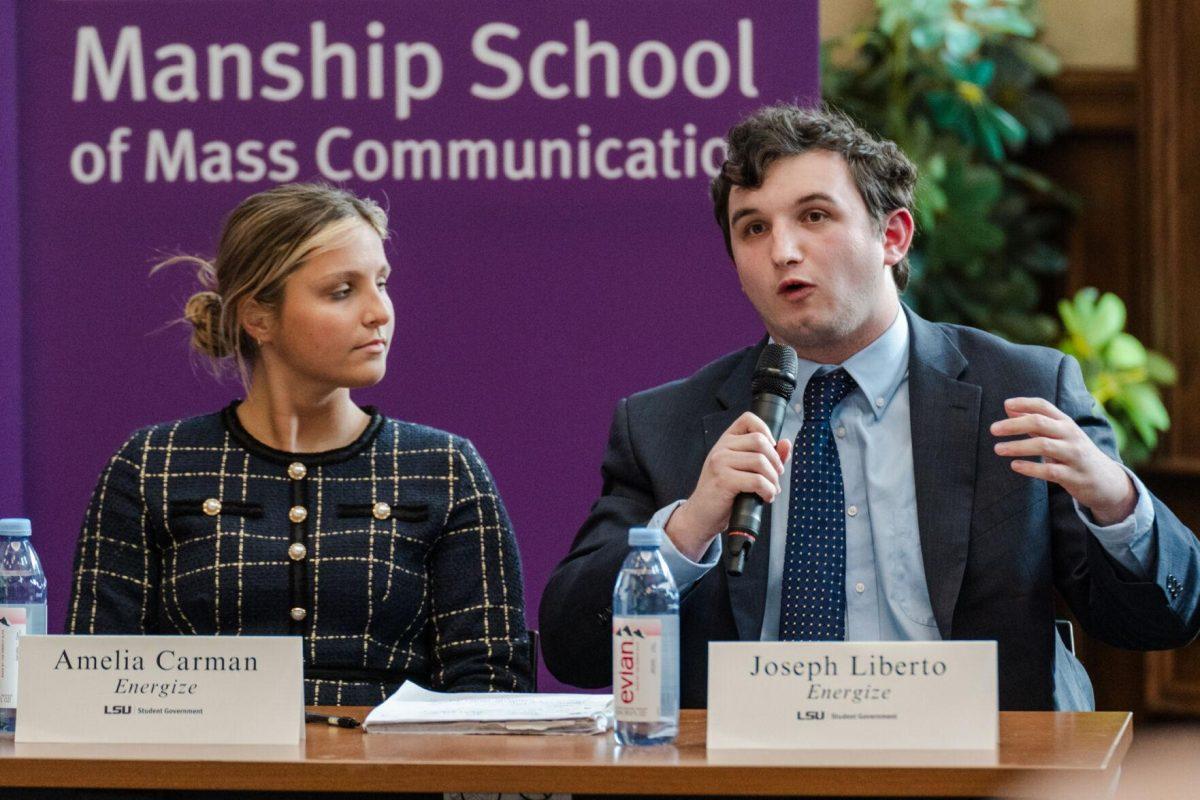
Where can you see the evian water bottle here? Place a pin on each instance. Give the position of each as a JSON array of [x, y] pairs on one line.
[[645, 644], [22, 609]]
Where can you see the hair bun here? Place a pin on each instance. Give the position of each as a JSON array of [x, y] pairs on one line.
[[203, 311]]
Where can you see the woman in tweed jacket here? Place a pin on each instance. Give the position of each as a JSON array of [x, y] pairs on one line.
[[383, 543]]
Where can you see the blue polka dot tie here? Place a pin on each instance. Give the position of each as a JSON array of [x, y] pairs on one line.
[[813, 607]]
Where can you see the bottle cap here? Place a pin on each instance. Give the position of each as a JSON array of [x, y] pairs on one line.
[[645, 537], [16, 527]]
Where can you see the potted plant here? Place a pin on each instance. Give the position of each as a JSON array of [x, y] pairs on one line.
[[959, 86]]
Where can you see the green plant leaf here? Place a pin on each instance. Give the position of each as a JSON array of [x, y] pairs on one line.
[[1042, 259], [1125, 352], [1145, 407], [989, 139], [1041, 328], [1029, 327], [1120, 381], [979, 72], [930, 202], [1009, 128], [1043, 111], [1031, 178], [1122, 438], [947, 109], [1159, 369], [926, 37], [1107, 320], [1037, 55], [1024, 289], [1085, 301], [1144, 430], [892, 16], [1001, 19], [1066, 310], [961, 39]]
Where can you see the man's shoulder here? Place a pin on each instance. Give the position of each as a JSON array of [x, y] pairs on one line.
[[987, 351], [695, 390]]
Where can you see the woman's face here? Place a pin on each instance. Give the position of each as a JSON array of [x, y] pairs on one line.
[[334, 325]]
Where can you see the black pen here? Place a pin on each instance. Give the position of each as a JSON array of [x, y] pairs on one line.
[[337, 722]]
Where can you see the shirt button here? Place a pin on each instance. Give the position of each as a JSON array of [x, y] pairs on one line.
[[799, 407], [297, 551], [381, 511], [860, 587], [879, 402], [299, 614], [852, 511], [297, 471], [212, 506], [298, 514], [841, 431]]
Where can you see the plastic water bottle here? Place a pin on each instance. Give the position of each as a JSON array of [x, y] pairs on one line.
[[645, 644], [22, 608]]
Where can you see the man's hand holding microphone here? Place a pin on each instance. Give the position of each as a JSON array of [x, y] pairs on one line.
[[742, 471]]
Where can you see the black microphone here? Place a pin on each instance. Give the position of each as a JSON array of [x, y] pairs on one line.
[[772, 386]]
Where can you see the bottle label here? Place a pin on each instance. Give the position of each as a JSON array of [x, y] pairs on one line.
[[637, 668], [12, 625]]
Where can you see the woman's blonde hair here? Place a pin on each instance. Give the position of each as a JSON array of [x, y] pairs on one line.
[[265, 239]]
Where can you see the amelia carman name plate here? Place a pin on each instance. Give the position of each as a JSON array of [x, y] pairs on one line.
[[853, 695], [161, 689]]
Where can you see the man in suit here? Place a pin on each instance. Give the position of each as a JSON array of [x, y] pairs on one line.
[[930, 482]]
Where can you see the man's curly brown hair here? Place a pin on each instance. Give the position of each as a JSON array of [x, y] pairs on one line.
[[884, 176]]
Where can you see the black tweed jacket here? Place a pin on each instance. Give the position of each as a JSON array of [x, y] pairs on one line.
[[393, 557]]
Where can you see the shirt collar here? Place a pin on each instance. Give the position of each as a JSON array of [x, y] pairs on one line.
[[878, 369]]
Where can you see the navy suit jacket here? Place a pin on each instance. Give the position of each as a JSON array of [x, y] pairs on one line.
[[995, 544]]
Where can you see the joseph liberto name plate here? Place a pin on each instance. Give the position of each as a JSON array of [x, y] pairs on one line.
[[161, 689], [853, 695]]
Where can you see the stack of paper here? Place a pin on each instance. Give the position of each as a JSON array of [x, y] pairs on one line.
[[413, 709]]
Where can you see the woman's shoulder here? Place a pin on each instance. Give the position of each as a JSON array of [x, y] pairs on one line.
[[205, 429], [413, 434]]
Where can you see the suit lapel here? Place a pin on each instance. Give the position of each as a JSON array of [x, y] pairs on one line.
[[945, 432], [732, 396], [747, 592]]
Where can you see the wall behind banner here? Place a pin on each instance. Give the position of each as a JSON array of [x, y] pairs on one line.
[[554, 243]]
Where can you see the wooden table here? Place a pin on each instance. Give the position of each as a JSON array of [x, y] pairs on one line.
[[1040, 754]]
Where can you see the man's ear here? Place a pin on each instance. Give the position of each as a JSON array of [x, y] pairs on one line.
[[898, 230], [256, 320]]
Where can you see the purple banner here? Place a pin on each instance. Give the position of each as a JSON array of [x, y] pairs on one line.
[[545, 165], [12, 501]]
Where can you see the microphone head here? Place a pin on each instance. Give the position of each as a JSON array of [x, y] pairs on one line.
[[775, 372]]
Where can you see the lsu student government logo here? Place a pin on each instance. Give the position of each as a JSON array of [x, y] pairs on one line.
[[805, 716], [118, 709]]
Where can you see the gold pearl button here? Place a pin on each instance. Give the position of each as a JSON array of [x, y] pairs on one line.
[[299, 614], [297, 471], [297, 551], [381, 511], [298, 513], [212, 506]]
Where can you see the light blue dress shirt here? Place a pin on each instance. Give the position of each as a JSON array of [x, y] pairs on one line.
[[887, 597]]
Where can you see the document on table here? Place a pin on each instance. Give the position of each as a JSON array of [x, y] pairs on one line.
[[412, 709]]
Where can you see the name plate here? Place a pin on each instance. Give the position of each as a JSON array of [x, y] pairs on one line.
[[161, 689], [853, 695]]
